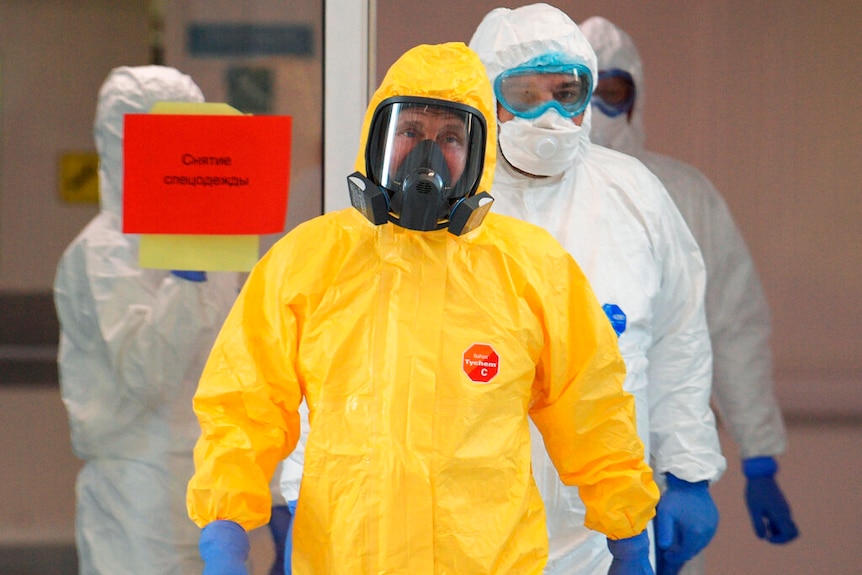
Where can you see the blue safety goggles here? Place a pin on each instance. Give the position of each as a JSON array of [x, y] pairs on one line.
[[615, 92], [545, 83]]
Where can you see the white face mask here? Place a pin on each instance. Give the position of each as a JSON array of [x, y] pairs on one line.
[[615, 133], [543, 146]]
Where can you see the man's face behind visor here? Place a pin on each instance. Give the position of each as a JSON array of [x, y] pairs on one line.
[[424, 161], [442, 139], [418, 123]]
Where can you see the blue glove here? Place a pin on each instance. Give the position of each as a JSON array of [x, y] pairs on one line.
[[665, 567], [224, 548], [190, 276], [288, 545], [770, 513], [686, 520], [279, 523], [631, 555]]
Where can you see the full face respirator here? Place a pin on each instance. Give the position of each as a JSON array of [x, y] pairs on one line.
[[424, 159]]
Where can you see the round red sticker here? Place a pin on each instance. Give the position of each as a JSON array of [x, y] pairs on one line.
[[481, 363]]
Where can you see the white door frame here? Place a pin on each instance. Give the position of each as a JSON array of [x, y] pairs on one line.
[[348, 65]]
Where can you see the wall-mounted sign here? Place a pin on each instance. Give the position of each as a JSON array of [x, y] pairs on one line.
[[250, 89], [79, 177], [187, 174], [233, 39], [201, 182]]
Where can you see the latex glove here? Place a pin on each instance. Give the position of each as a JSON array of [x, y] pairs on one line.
[[224, 548], [279, 523], [686, 520], [770, 513], [288, 545], [631, 555], [665, 567], [190, 276]]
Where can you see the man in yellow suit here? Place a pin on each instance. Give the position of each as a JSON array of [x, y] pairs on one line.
[[422, 332]]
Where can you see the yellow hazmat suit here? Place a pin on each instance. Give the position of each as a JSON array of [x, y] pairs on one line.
[[420, 355]]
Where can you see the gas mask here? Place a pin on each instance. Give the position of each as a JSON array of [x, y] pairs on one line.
[[422, 198], [424, 159], [543, 146]]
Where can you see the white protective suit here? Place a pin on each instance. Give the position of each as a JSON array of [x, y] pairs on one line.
[[133, 343], [736, 307], [619, 223]]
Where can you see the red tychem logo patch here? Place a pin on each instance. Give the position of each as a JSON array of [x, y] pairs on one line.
[[481, 362]]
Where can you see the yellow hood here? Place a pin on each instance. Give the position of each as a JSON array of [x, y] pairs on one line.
[[450, 72]]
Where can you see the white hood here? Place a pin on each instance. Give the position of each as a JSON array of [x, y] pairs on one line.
[[130, 90], [616, 50], [507, 38]]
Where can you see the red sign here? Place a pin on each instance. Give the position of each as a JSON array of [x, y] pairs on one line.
[[481, 362], [205, 174]]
